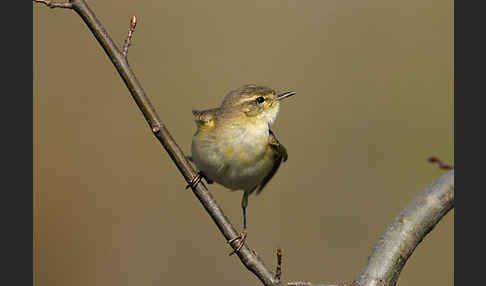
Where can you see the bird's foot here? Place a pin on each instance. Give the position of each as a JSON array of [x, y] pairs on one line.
[[241, 237], [197, 179]]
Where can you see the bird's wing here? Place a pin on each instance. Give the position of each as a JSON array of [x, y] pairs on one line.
[[279, 153], [204, 118]]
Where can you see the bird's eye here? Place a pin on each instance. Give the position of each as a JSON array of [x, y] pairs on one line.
[[260, 99]]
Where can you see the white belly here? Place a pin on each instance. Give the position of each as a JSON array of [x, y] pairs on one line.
[[236, 161]]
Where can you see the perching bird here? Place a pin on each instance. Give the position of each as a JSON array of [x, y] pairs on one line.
[[234, 146]]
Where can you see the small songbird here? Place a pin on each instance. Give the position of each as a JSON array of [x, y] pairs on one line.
[[234, 146]]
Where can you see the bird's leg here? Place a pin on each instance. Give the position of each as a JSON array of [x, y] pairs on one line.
[[209, 181], [242, 236], [197, 179]]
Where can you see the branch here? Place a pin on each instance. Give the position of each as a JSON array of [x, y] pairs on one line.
[[278, 271], [52, 4], [128, 40], [440, 164], [246, 255], [407, 231], [305, 283]]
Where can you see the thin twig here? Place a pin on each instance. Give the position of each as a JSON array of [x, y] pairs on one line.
[[442, 166], [128, 40], [246, 255], [278, 272], [52, 4]]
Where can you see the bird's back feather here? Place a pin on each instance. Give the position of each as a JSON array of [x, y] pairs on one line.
[[205, 118]]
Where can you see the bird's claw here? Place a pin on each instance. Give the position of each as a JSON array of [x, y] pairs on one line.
[[241, 237], [195, 181]]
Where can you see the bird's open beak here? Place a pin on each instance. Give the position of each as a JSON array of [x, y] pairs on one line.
[[284, 95]]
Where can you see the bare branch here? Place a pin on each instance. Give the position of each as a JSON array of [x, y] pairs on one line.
[[305, 283], [407, 231], [128, 40], [247, 256], [52, 4]]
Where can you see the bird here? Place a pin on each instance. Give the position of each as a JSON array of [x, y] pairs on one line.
[[234, 146]]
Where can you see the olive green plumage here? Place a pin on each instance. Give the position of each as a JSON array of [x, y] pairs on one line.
[[233, 144]]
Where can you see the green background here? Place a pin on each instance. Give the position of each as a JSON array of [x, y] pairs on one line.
[[374, 82]]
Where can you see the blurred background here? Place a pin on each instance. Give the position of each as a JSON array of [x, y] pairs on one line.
[[374, 82]]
